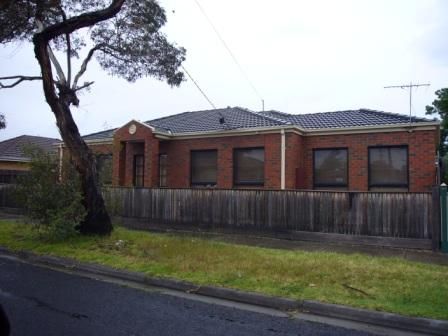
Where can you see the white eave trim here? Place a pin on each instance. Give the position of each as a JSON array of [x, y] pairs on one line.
[[235, 132], [13, 159], [105, 141]]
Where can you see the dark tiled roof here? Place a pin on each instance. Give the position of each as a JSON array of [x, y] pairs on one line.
[[12, 149], [209, 120], [349, 118], [238, 118], [100, 135]]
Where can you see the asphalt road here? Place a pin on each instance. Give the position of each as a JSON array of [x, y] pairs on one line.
[[40, 301]]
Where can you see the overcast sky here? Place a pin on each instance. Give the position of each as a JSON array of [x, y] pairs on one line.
[[301, 56]]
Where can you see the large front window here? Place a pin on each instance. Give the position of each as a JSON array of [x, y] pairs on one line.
[[204, 167], [248, 166], [330, 168], [388, 167]]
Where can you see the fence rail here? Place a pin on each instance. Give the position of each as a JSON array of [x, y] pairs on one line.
[[400, 215]]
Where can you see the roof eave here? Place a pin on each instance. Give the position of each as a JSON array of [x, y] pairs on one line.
[[431, 125], [233, 132], [15, 159]]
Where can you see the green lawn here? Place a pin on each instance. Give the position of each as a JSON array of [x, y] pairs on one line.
[[386, 284]]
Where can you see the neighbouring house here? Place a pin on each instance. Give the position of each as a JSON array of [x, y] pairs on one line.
[[233, 147], [13, 159]]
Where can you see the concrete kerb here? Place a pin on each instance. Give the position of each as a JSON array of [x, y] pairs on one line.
[[413, 324]]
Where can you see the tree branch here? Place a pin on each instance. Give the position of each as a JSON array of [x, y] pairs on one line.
[[80, 21], [69, 48], [57, 66], [69, 59], [53, 58], [84, 65], [18, 81], [86, 85]]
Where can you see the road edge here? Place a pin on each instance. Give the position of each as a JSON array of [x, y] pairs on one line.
[[390, 320]]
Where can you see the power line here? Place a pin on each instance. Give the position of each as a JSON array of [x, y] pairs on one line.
[[199, 88], [409, 86], [230, 53]]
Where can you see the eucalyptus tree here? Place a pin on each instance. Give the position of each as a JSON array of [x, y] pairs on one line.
[[125, 38]]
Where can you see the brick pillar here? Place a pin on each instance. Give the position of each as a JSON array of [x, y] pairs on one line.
[[119, 163], [151, 163]]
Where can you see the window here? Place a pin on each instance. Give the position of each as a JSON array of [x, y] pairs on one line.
[[330, 168], [204, 166], [139, 170], [162, 170], [10, 176], [388, 167], [104, 168], [248, 166]]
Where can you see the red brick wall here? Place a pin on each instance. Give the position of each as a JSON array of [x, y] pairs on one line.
[[299, 157], [178, 159], [294, 161], [421, 151], [127, 145]]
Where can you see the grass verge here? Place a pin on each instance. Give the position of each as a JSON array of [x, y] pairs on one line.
[[385, 284]]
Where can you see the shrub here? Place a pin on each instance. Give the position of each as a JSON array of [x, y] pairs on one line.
[[53, 205]]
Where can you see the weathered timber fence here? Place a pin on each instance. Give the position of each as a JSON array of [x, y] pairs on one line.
[[399, 215]]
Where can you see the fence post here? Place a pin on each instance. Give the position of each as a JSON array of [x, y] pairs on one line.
[[444, 222], [436, 218]]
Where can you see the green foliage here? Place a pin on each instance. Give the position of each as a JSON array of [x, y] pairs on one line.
[[2, 121], [104, 169], [389, 284], [440, 107], [54, 206], [130, 45]]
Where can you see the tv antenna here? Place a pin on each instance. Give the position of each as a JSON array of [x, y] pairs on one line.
[[409, 86]]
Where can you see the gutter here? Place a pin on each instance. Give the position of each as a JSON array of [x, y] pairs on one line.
[[283, 159]]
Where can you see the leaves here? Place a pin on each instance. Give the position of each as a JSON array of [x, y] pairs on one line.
[[54, 206], [440, 106], [132, 45]]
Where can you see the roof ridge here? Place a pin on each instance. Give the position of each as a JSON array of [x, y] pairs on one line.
[[186, 112], [284, 122], [362, 109], [29, 136], [276, 111], [169, 116], [108, 130]]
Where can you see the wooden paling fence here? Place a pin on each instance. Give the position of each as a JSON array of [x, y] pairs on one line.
[[399, 215]]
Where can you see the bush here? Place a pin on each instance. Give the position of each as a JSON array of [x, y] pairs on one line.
[[53, 205]]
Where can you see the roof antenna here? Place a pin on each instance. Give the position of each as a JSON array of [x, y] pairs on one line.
[[409, 86], [262, 104]]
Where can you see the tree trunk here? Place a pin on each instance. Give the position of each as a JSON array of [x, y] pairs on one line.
[[97, 220]]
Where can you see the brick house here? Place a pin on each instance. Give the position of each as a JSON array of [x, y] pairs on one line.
[[357, 150], [13, 158]]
